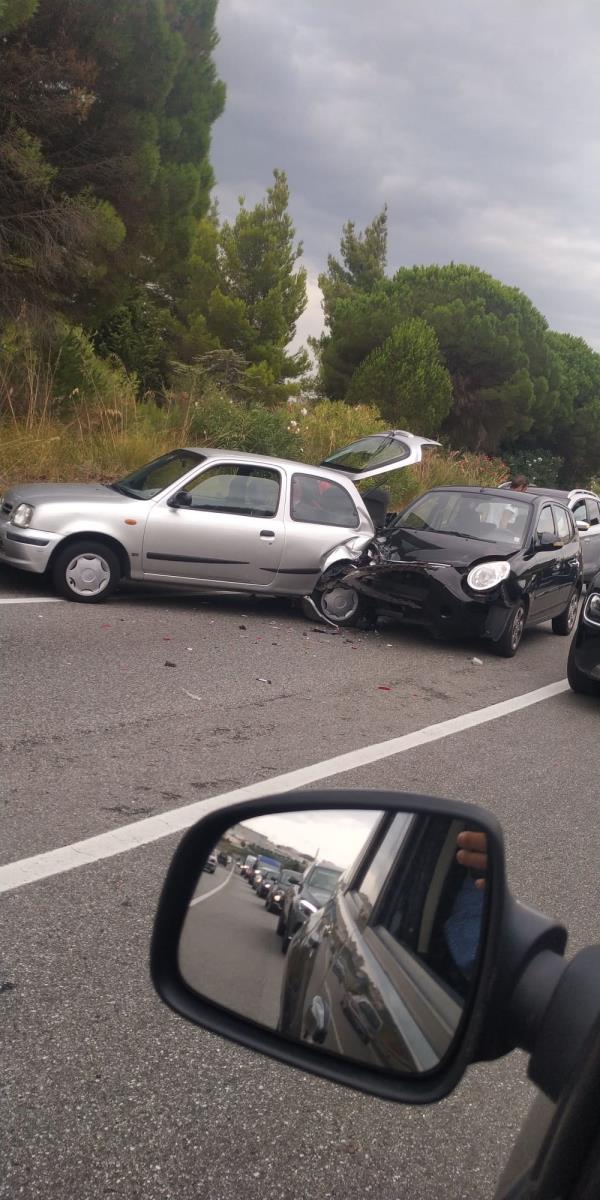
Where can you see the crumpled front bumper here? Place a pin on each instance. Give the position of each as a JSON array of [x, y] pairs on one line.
[[28, 549], [433, 595]]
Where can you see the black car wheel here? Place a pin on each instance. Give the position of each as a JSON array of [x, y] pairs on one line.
[[509, 643], [86, 571], [286, 939], [578, 681], [564, 623], [280, 926]]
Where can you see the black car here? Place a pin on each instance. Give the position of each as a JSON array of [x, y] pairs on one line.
[[276, 893], [267, 879], [583, 667], [300, 902], [474, 562]]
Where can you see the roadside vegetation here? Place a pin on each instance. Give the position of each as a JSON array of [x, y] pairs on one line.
[[134, 319]]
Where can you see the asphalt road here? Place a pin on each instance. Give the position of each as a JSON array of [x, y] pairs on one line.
[[229, 949], [105, 1093]]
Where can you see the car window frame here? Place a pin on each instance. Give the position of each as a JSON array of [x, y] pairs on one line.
[[547, 505], [235, 512], [561, 509]]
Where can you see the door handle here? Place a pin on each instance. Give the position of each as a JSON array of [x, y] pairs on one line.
[[267, 533]]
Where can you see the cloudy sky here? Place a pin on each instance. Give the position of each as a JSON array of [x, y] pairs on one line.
[[477, 121], [335, 835]]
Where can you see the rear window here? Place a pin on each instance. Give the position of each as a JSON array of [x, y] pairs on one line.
[[369, 452]]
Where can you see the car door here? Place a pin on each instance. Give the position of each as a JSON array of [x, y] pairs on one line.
[[566, 568], [378, 453], [544, 567], [587, 509], [320, 513], [231, 531], [385, 995]]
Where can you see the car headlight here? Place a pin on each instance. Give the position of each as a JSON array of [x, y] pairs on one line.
[[307, 907], [592, 609], [22, 515], [487, 575], [278, 897]]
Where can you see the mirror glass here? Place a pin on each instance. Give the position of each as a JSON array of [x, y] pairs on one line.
[[355, 931]]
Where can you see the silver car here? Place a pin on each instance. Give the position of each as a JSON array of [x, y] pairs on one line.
[[585, 507], [217, 519]]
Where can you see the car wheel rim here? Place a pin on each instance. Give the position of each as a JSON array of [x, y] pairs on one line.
[[517, 628], [339, 603], [88, 575], [572, 613]]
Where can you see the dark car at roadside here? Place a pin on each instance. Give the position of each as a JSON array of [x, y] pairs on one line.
[[268, 878], [301, 901], [583, 666], [475, 562], [276, 893]]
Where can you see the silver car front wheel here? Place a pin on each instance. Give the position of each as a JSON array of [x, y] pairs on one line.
[[86, 572]]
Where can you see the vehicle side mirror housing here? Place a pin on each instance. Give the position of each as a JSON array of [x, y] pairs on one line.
[[582, 526], [180, 500], [547, 541]]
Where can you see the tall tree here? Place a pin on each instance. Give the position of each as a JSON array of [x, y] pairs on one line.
[[259, 292], [406, 379], [363, 262]]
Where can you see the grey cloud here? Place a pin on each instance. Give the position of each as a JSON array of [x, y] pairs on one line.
[[478, 124]]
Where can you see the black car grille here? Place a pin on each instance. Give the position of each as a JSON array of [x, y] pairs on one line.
[[409, 585]]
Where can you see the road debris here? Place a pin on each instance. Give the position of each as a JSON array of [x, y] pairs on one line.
[[259, 679], [170, 664], [477, 662]]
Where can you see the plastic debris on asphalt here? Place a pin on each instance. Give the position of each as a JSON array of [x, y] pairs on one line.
[[259, 679], [477, 662], [170, 664]]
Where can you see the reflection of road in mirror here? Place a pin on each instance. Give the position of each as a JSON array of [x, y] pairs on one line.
[[228, 950], [359, 932]]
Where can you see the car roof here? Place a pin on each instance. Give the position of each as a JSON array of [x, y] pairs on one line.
[[242, 456], [563, 494]]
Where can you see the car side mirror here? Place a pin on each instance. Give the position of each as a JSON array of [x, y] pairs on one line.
[[452, 971], [547, 541], [180, 500], [582, 526]]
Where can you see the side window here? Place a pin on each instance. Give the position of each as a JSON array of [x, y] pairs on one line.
[[580, 511], [322, 502], [369, 888], [233, 488], [434, 910], [593, 511], [563, 524], [546, 521]]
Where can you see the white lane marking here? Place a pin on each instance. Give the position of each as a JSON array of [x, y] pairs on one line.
[[213, 891], [32, 600], [141, 833]]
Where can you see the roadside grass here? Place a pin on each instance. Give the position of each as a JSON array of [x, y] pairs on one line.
[[96, 442]]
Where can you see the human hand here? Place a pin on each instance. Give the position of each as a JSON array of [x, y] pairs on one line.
[[472, 852]]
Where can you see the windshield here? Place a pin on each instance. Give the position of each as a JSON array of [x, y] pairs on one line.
[[149, 480], [323, 880], [469, 515], [369, 452]]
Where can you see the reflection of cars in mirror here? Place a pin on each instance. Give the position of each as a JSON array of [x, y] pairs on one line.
[[583, 667], [211, 864], [208, 517], [277, 891], [474, 561], [222, 858], [388, 963], [301, 901]]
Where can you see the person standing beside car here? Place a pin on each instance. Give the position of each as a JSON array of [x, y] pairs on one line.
[[519, 483]]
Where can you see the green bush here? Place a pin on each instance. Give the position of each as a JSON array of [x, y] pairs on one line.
[[215, 420], [441, 468]]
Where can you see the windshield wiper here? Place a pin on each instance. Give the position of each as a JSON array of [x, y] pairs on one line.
[[123, 491]]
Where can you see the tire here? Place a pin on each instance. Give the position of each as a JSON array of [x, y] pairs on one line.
[[280, 926], [336, 603], [564, 623], [508, 644], [578, 682], [87, 572]]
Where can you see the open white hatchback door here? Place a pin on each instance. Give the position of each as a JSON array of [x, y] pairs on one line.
[[378, 453]]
